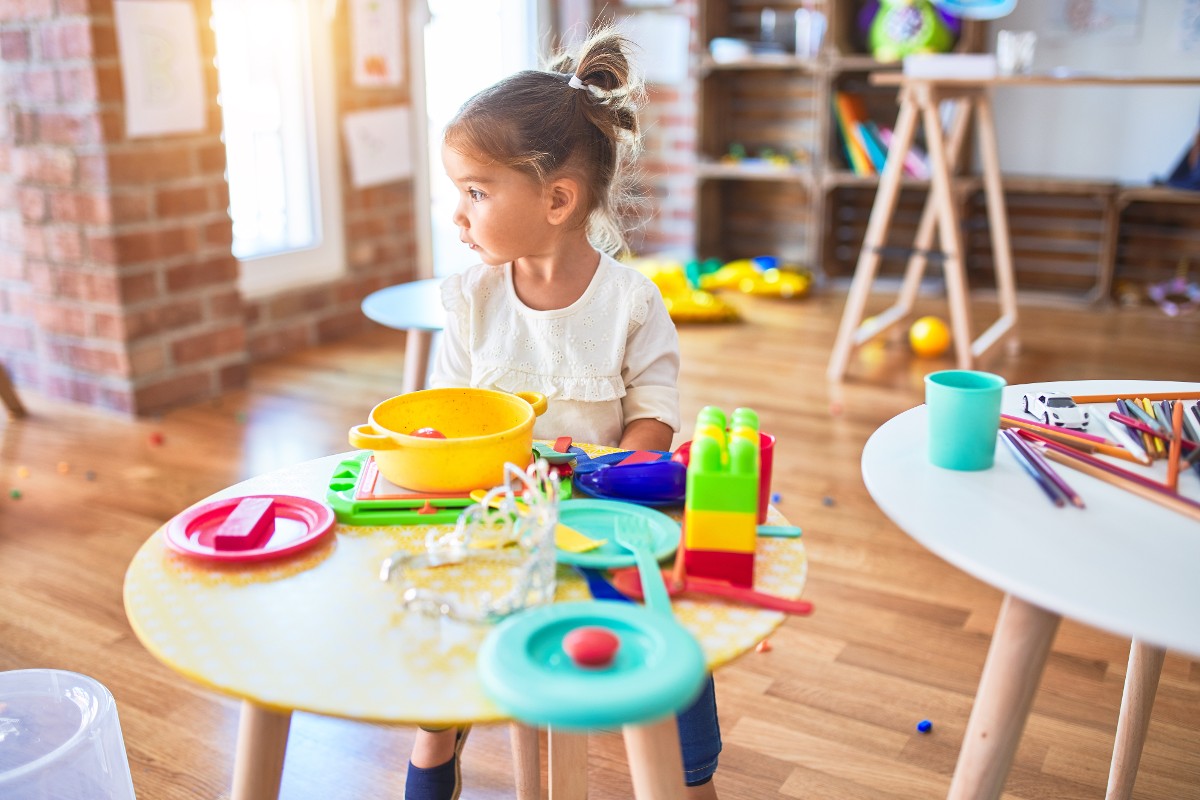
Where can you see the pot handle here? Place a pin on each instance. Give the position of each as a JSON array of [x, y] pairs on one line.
[[535, 399], [365, 437]]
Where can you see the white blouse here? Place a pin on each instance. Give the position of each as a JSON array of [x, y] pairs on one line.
[[607, 359]]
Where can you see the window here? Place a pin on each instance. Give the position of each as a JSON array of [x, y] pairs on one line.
[[276, 92]]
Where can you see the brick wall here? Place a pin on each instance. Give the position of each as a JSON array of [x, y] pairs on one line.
[[117, 285]]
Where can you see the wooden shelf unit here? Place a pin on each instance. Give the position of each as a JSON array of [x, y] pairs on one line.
[[783, 103]]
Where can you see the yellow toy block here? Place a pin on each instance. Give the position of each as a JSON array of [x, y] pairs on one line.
[[731, 531]]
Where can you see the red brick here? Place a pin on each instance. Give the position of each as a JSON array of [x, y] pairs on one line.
[[71, 7], [69, 129], [93, 170], [142, 164], [23, 128], [16, 337], [12, 265], [135, 247], [234, 376], [64, 244], [14, 45], [174, 391], [226, 305], [36, 88], [26, 10], [213, 272], [54, 166], [32, 203], [96, 360], [89, 208], [103, 41], [139, 287], [111, 327], [130, 206], [277, 342], [219, 233], [34, 242], [42, 276], [211, 344], [102, 248], [56, 318], [181, 202], [89, 286], [148, 322], [211, 158], [147, 358], [66, 40]]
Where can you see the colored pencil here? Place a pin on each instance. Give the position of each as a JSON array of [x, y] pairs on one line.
[[1112, 398], [1048, 471], [1021, 421], [1126, 408], [1167, 499], [1050, 490], [1193, 458], [1188, 444], [1149, 483], [1069, 438], [1176, 446], [1120, 433], [1149, 409]]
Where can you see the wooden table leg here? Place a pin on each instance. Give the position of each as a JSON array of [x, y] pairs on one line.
[[261, 744], [1011, 673], [527, 761], [655, 760], [9, 396], [1141, 683], [568, 765], [417, 344]]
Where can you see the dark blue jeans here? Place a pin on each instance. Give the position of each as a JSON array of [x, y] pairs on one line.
[[700, 736]]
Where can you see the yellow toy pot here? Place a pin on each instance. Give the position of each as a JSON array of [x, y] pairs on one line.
[[482, 429]]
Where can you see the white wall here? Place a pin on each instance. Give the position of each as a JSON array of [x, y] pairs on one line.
[[1126, 134]]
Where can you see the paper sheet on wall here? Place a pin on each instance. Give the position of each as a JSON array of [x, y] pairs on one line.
[[160, 67], [662, 45], [379, 145], [377, 46]]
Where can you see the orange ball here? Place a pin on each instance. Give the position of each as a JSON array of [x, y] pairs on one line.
[[929, 337]]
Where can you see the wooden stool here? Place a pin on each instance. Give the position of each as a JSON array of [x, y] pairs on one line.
[[922, 97]]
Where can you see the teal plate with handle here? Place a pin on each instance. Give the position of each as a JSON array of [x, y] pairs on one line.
[[658, 669], [598, 519]]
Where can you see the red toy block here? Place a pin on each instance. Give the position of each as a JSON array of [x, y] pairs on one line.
[[737, 568], [248, 526]]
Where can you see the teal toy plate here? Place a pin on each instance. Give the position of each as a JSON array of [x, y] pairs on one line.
[[658, 668], [599, 520]]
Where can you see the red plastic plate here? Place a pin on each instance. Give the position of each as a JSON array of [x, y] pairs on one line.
[[299, 523]]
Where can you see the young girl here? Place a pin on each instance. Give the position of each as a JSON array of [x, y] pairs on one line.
[[539, 161]]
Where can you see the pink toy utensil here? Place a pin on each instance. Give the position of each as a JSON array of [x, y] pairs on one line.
[[627, 581]]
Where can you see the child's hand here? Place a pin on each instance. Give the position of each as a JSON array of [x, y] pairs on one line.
[[647, 434]]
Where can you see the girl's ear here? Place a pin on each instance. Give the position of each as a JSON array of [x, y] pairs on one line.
[[563, 198]]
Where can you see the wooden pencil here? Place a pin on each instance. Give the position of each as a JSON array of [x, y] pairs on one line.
[[1166, 499], [1112, 398], [1069, 438], [1126, 408], [1149, 411], [1176, 446], [1021, 421], [1049, 489], [1189, 444], [1121, 434], [1149, 483], [1041, 466]]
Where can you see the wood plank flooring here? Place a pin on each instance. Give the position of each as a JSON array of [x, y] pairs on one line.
[[829, 713]]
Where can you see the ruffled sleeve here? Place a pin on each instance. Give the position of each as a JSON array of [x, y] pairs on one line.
[[651, 369], [452, 363]]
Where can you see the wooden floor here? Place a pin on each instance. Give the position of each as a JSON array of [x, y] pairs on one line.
[[828, 714]]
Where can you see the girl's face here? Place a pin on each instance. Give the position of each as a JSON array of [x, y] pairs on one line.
[[500, 212]]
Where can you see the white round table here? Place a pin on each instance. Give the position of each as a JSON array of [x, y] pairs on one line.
[[415, 308], [1123, 564]]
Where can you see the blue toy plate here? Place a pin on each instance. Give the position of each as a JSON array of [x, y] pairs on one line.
[[599, 520], [659, 668]]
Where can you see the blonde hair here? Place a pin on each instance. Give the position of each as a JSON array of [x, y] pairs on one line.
[[537, 123]]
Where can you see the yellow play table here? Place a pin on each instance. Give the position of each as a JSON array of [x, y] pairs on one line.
[[319, 632]]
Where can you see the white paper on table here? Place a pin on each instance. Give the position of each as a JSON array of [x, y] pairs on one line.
[[160, 67], [379, 144]]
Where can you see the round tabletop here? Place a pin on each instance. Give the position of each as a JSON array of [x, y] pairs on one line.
[[407, 306], [319, 632], [1123, 563]]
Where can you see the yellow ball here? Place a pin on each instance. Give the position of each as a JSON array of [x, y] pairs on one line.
[[929, 337]]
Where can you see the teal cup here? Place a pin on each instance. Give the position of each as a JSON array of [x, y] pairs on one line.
[[964, 416]]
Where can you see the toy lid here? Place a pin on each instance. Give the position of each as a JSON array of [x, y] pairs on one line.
[[977, 9], [658, 668], [598, 519], [284, 525]]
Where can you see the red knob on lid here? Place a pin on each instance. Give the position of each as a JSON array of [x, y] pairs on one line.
[[591, 646]]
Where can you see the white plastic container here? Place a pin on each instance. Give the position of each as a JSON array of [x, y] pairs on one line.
[[60, 738]]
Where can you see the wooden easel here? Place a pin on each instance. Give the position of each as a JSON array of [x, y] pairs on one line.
[[921, 97]]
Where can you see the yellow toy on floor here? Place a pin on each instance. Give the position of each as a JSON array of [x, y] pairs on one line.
[[683, 303]]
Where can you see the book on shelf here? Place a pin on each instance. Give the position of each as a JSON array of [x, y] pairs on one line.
[[916, 162], [849, 111]]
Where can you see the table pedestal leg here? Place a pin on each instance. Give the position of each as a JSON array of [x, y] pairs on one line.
[[527, 762], [1011, 673], [568, 765], [655, 760], [417, 344], [261, 744], [1141, 683], [8, 394]]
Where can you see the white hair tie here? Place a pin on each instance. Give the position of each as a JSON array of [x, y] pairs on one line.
[[575, 83]]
